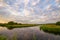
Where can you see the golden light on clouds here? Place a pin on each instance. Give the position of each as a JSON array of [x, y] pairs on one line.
[[1, 0], [3, 20]]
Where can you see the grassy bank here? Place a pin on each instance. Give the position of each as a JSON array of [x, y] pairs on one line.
[[18, 26], [11, 25], [51, 28]]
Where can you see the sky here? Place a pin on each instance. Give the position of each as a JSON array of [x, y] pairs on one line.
[[30, 11]]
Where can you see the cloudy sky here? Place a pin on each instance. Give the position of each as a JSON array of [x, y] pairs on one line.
[[30, 11]]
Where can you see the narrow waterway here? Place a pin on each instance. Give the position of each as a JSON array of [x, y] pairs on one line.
[[28, 33]]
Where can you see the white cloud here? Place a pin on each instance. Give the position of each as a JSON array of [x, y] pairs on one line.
[[1, 4], [26, 12], [57, 2], [48, 7], [26, 2], [39, 20], [10, 9], [59, 6], [34, 2]]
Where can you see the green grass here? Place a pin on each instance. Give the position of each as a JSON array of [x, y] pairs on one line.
[[51, 28]]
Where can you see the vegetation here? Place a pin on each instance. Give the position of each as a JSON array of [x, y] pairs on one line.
[[11, 25], [3, 37], [58, 23], [34, 37], [14, 37], [51, 28]]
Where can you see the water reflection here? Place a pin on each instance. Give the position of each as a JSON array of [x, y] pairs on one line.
[[28, 34]]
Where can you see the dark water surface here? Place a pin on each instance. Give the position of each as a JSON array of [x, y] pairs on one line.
[[29, 33]]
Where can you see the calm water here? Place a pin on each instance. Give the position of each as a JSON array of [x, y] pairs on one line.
[[28, 34]]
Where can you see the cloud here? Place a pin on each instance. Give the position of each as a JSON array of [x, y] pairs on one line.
[[1, 4], [26, 2], [3, 20], [10, 9], [30, 11], [34, 2], [57, 2], [48, 7], [26, 12], [59, 6]]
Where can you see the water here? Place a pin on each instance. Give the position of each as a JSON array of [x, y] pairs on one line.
[[28, 33]]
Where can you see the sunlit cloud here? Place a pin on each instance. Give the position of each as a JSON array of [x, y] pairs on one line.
[[3, 20]]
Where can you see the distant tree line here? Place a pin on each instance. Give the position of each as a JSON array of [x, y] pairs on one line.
[[10, 23]]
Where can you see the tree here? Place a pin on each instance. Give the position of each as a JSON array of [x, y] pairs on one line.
[[11, 23], [58, 23]]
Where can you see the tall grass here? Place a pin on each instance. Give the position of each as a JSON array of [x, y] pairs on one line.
[[34, 37], [2, 37], [14, 37]]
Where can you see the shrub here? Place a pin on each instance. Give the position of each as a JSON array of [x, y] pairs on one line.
[[11, 23], [58, 23]]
